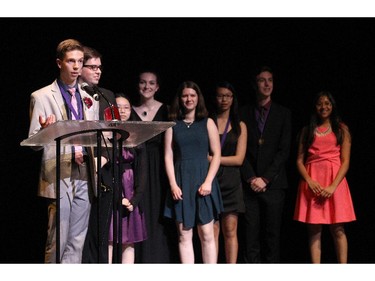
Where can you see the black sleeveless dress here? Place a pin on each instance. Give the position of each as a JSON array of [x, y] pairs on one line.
[[230, 178]]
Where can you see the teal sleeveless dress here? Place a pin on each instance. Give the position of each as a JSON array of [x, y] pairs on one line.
[[190, 149]]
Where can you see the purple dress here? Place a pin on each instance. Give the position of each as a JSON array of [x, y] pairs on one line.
[[133, 224]]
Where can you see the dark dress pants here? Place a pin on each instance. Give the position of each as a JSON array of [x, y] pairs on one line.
[[95, 249], [262, 219]]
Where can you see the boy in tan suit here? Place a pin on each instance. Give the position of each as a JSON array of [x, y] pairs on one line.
[[64, 100]]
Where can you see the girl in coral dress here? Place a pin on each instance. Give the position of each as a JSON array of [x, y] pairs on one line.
[[323, 193]]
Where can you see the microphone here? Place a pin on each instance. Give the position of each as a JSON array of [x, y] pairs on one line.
[[115, 115], [90, 90]]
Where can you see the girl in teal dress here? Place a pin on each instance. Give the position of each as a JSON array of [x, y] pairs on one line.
[[194, 199]]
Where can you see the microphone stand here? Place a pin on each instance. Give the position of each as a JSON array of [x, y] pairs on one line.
[[116, 179]]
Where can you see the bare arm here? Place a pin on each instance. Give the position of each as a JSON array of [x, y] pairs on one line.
[[313, 185], [237, 159], [345, 160], [169, 165], [214, 139]]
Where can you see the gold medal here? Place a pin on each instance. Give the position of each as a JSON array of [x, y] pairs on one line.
[[260, 141]]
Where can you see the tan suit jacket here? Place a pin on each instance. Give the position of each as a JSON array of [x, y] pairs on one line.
[[47, 101]]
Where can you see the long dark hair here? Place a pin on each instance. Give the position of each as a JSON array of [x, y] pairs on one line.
[[233, 113], [177, 111], [315, 121]]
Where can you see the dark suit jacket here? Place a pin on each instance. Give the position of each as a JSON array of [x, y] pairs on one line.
[[103, 103], [267, 160]]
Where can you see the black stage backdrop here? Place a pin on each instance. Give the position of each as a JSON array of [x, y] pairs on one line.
[[307, 55]]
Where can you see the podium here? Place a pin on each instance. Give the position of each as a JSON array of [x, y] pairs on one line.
[[84, 133], [89, 133]]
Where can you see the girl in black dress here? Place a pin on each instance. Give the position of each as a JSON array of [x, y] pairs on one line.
[[233, 137]]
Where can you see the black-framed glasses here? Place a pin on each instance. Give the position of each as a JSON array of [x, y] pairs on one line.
[[226, 96], [94, 67]]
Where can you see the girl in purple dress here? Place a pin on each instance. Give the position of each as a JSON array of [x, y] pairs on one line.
[[133, 222]]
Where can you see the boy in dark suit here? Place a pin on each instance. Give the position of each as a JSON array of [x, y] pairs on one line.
[[263, 171]]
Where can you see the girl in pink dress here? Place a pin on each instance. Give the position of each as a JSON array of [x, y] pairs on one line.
[[323, 193]]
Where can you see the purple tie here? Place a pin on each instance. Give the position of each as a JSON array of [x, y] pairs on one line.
[[262, 118], [74, 103]]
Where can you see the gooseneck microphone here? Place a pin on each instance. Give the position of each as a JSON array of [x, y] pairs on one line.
[[95, 92], [91, 91]]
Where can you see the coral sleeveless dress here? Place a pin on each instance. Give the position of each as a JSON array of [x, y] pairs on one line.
[[322, 164]]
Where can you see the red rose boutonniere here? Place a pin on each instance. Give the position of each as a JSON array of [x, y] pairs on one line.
[[88, 102]]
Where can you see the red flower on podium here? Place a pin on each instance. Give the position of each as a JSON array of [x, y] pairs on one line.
[[88, 102]]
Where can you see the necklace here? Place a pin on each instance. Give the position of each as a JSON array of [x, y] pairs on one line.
[[145, 110], [188, 124], [324, 133]]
